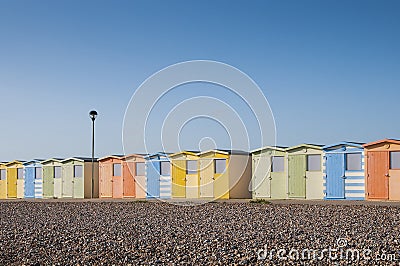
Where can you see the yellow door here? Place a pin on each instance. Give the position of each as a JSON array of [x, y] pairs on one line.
[[178, 178], [11, 182], [221, 183], [192, 186], [206, 178]]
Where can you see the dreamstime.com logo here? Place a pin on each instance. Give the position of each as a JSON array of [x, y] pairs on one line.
[[341, 252]]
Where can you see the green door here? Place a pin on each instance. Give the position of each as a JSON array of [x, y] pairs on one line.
[[48, 182], [67, 181], [278, 185], [78, 192], [261, 177], [297, 176]]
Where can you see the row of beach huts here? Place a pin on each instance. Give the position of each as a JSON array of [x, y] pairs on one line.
[[345, 170]]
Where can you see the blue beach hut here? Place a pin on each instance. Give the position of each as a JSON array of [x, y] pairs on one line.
[[158, 176], [344, 171], [33, 179]]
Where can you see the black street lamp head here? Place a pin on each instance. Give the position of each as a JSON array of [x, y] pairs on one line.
[[93, 114]]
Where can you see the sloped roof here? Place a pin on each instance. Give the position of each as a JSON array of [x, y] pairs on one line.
[[33, 161], [52, 160], [393, 141], [133, 155], [279, 148], [306, 145], [116, 156], [193, 153], [223, 151], [156, 154], [344, 143], [15, 162], [81, 159]]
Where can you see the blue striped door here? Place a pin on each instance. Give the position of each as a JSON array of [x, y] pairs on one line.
[[29, 182], [335, 176], [153, 179]]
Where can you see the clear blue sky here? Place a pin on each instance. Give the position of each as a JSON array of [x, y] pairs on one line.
[[330, 69]]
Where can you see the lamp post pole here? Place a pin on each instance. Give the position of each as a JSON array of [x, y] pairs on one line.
[[93, 115]]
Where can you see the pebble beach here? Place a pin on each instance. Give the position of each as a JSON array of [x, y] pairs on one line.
[[217, 233]]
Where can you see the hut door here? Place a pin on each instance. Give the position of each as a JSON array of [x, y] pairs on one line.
[[48, 183], [128, 169], [261, 177], [29, 182], [12, 182], [377, 180], [153, 179], [67, 183], [297, 176], [178, 178], [335, 176], [206, 178], [105, 180], [394, 176], [117, 183]]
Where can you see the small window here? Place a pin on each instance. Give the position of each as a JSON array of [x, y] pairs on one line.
[[57, 171], [78, 171], [140, 169], [117, 169], [3, 174], [20, 173], [314, 163], [353, 161], [219, 166], [395, 160], [165, 168], [38, 172], [191, 167], [278, 163]]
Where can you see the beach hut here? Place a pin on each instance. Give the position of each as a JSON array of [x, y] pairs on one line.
[[110, 177], [134, 176], [305, 174], [15, 179], [77, 178], [158, 176], [382, 169], [269, 173], [185, 175], [3, 180], [33, 178], [224, 174], [344, 171], [52, 181]]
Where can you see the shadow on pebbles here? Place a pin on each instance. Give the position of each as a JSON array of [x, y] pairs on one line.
[[155, 233]]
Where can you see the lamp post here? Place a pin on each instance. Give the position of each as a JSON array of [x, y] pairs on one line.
[[92, 115]]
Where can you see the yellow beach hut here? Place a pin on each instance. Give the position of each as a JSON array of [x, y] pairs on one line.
[[224, 174], [15, 179], [185, 178]]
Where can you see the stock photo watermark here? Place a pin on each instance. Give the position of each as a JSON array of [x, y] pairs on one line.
[[339, 252]]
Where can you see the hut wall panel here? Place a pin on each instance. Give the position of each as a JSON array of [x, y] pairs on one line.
[[239, 176], [3, 183]]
